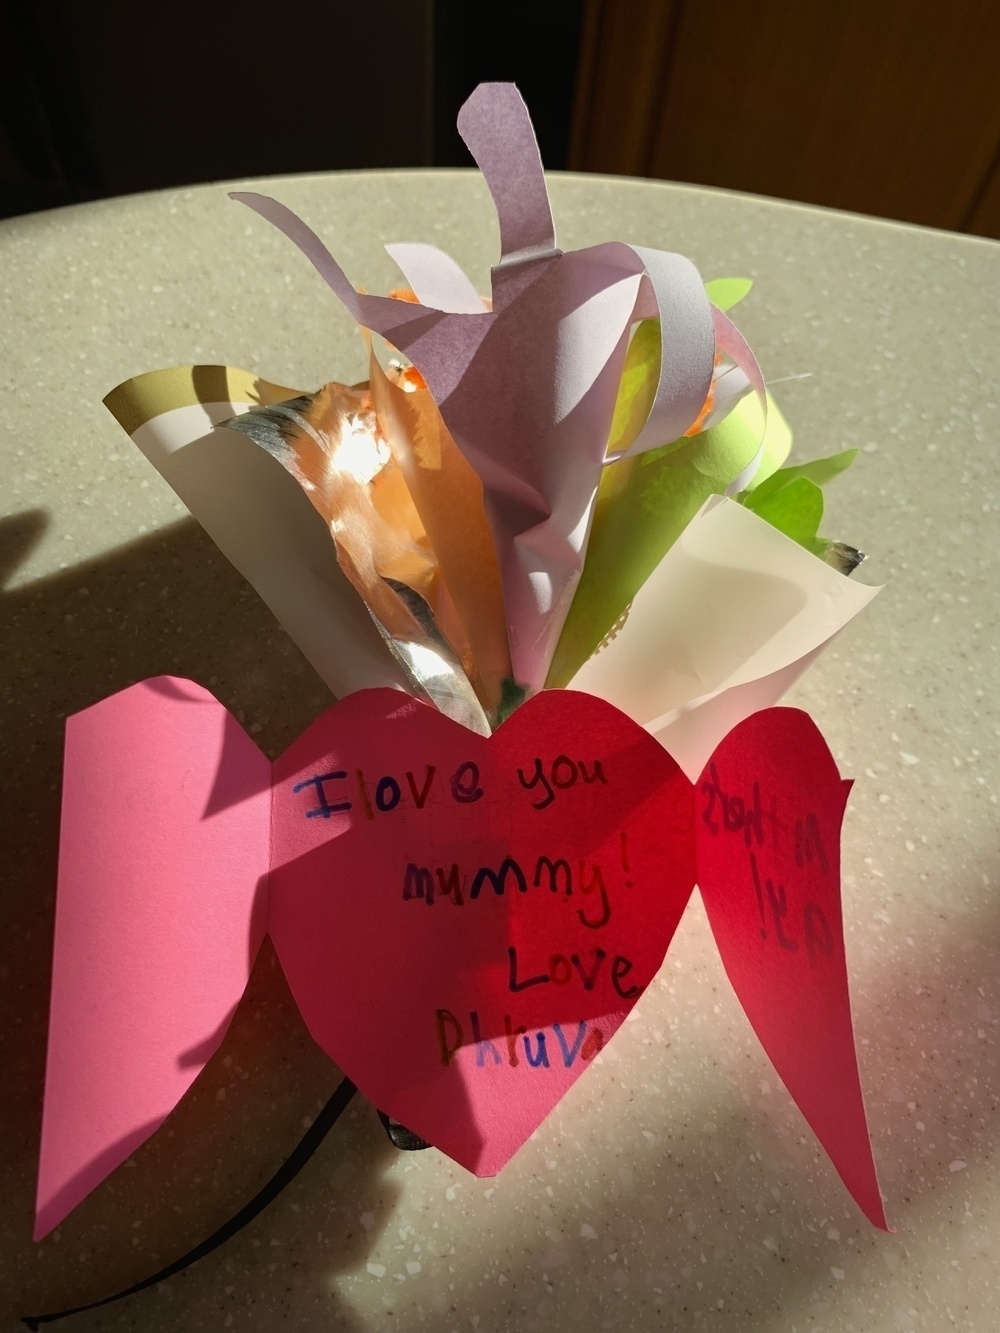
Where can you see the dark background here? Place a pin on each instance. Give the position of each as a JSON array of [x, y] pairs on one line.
[[879, 108], [105, 97]]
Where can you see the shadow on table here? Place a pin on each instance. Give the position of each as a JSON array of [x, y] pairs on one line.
[[734, 1219], [168, 603], [751, 1214]]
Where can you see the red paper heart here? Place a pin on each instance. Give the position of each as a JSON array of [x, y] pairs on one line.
[[163, 790], [468, 1020]]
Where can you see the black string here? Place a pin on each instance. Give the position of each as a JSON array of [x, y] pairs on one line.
[[285, 1174]]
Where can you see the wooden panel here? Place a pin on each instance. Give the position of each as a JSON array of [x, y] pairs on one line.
[[984, 216], [624, 62], [886, 108]]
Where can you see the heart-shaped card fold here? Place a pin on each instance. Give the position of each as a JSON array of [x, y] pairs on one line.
[[464, 921], [770, 806]]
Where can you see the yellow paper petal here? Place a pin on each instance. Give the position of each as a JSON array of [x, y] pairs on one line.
[[141, 399], [637, 388]]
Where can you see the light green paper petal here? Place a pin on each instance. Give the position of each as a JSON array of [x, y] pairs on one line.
[[642, 365], [727, 292], [777, 436], [637, 387], [643, 505]]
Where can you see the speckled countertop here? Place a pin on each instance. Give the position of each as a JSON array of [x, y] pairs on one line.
[[676, 1186]]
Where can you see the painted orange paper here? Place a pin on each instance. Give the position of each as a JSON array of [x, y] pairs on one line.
[[448, 496]]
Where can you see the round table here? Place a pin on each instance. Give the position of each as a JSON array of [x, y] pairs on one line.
[[676, 1186]]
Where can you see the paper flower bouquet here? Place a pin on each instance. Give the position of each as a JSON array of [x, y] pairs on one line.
[[469, 872]]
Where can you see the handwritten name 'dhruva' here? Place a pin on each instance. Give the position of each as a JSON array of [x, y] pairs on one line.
[[584, 1044]]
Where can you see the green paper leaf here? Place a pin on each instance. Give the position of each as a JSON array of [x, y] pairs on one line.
[[512, 696], [820, 471], [796, 509], [724, 293]]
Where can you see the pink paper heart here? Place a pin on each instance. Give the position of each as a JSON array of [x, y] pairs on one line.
[[465, 922]]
